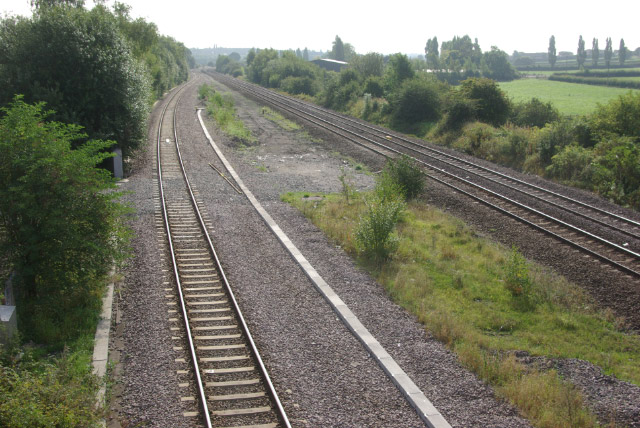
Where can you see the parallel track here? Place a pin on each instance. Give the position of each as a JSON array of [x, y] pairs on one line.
[[227, 384], [609, 237]]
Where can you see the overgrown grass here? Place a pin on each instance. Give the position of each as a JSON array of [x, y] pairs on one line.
[[222, 109], [279, 119], [37, 391], [568, 98], [469, 293]]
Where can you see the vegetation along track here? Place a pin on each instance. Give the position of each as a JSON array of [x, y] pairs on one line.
[[611, 238], [223, 374]]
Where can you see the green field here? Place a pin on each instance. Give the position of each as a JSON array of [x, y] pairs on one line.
[[569, 98]]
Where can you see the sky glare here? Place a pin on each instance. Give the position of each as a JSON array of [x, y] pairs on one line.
[[385, 26]]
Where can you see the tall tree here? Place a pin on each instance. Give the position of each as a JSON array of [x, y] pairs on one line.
[[81, 65], [608, 53], [595, 52], [551, 53], [582, 53], [305, 54], [337, 51], [432, 55], [622, 52]]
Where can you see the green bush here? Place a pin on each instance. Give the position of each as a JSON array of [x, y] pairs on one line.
[[533, 113], [491, 104], [408, 175], [417, 100], [63, 222], [573, 165], [620, 116], [374, 233], [517, 279], [56, 393]]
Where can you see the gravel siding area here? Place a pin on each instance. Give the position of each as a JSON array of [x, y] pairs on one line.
[[325, 377]]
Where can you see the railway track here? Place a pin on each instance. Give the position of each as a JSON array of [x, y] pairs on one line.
[[222, 379], [611, 238]]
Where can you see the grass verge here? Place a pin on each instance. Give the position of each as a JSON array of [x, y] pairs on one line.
[[486, 302], [223, 111]]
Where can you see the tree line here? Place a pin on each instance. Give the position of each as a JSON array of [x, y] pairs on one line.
[[473, 114], [581, 53]]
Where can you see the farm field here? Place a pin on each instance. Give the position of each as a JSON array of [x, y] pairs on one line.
[[569, 98]]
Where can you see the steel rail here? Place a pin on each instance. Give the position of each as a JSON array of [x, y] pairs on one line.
[[263, 370], [280, 412], [194, 359], [375, 131], [492, 193]]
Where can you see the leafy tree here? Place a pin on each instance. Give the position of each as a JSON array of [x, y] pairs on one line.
[[496, 65], [79, 63], [622, 52], [235, 56], [460, 53], [371, 64], [431, 54], [257, 65], [582, 53], [298, 53], [305, 54], [250, 56], [608, 53], [337, 51], [491, 104], [595, 52], [398, 70], [61, 218], [551, 52]]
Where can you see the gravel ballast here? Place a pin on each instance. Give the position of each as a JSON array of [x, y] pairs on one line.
[[322, 373]]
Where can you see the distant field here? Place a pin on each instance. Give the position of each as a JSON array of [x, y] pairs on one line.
[[569, 98]]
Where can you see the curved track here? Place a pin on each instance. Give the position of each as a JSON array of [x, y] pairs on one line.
[[227, 382], [607, 236]]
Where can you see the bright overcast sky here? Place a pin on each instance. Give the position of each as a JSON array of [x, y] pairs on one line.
[[385, 27]]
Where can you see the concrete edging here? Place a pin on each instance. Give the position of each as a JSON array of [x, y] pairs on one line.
[[101, 344], [425, 409]]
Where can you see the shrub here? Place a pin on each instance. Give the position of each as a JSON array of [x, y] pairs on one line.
[[553, 138], [374, 233], [298, 85], [63, 222], [517, 279], [491, 104], [620, 116], [373, 86], [459, 111], [57, 393], [534, 113], [408, 175], [417, 100], [572, 164]]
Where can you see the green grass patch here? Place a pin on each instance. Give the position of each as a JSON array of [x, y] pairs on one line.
[[222, 109], [279, 119], [568, 98], [485, 302]]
